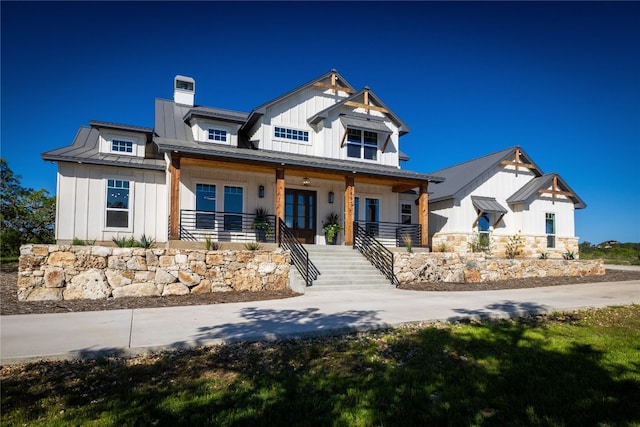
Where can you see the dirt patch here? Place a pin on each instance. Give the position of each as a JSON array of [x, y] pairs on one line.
[[9, 303]]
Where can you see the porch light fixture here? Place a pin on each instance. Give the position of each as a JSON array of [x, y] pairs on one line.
[[306, 181], [261, 192], [331, 196]]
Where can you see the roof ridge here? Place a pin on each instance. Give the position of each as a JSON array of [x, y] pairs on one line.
[[478, 158]]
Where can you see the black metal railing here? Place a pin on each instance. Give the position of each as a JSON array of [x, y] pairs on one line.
[[374, 251], [299, 255], [393, 233], [226, 226]]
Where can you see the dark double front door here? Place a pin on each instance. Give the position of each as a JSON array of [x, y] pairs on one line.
[[300, 214]]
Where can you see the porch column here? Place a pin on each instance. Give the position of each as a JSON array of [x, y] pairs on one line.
[[349, 197], [423, 214], [174, 197], [279, 202]]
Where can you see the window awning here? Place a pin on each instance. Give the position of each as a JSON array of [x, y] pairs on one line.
[[364, 124], [488, 205]]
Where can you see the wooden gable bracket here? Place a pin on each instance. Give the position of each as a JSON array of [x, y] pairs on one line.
[[477, 219], [365, 104], [555, 191], [344, 137], [384, 147], [495, 224], [334, 85], [518, 162]]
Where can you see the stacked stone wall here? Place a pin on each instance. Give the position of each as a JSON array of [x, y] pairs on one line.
[[476, 268], [54, 272], [532, 245]]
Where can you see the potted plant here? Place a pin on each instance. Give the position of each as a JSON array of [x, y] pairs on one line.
[[331, 228], [262, 225]]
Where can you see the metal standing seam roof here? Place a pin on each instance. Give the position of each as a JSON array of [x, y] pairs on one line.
[[530, 190], [460, 176], [216, 113], [274, 158], [488, 205], [363, 124], [85, 149]]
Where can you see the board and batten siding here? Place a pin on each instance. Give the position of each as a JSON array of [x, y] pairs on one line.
[[81, 204]]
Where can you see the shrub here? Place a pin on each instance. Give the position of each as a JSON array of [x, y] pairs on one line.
[[514, 247], [253, 246], [544, 255], [408, 242], [569, 255]]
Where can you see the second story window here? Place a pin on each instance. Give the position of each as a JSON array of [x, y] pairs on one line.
[[217, 135], [362, 144], [120, 146], [294, 134]]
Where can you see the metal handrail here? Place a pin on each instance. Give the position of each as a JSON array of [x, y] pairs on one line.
[[196, 225], [393, 233], [375, 252], [299, 255]]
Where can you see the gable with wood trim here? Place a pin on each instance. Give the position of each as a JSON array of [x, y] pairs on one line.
[[495, 197]]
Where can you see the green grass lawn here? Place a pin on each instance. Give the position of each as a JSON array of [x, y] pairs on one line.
[[573, 369]]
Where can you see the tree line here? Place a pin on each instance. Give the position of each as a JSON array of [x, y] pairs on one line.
[[26, 215]]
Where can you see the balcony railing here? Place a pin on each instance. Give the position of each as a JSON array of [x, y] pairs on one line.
[[226, 226], [393, 234]]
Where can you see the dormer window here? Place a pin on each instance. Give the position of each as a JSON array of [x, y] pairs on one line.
[[217, 135], [362, 144], [121, 146]]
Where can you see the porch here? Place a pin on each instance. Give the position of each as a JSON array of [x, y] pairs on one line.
[[235, 227]]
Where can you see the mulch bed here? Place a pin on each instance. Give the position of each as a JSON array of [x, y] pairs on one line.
[[9, 303]]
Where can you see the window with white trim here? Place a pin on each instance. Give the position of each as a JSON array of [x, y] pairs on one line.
[[217, 135], [550, 229], [117, 203], [362, 144], [293, 134], [405, 213], [121, 146]]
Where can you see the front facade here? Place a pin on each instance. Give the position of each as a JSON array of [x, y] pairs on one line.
[[208, 173], [323, 149]]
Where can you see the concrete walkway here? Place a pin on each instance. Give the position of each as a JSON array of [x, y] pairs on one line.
[[88, 334]]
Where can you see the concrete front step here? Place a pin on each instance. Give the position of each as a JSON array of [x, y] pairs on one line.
[[342, 268]]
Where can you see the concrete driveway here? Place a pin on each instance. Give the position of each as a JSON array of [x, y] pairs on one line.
[[88, 334]]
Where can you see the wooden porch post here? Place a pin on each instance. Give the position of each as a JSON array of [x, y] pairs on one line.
[[423, 214], [349, 198], [279, 202], [174, 197]]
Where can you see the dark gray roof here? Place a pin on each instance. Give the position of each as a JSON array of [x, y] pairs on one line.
[[460, 176], [216, 113], [260, 110], [364, 124], [402, 126], [117, 126], [85, 149], [169, 120], [274, 158], [530, 190], [488, 205], [403, 156]]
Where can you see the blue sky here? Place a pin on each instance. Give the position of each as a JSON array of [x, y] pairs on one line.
[[560, 79]]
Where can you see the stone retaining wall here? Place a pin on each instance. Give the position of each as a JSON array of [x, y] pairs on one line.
[[55, 272], [532, 245], [477, 267]]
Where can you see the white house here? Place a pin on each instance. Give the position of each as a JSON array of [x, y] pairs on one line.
[[499, 196], [202, 172], [323, 147]]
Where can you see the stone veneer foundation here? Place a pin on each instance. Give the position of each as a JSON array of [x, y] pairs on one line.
[[55, 272], [477, 267]]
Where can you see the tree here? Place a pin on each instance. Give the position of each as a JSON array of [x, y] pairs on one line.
[[26, 215]]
